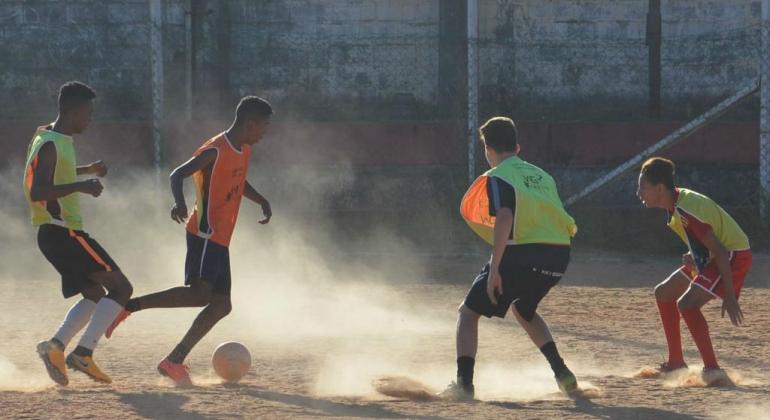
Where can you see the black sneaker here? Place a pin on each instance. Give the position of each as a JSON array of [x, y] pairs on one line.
[[566, 380], [457, 392], [666, 368]]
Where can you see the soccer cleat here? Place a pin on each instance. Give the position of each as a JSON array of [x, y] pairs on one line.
[[87, 365], [566, 381], [177, 372], [53, 357], [457, 392], [666, 368], [716, 377], [122, 315]]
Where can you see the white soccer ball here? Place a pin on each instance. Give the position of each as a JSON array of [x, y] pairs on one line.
[[231, 361]]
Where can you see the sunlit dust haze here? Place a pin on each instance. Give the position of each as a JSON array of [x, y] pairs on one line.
[[292, 285]]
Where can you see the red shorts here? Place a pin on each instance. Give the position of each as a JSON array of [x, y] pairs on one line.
[[710, 280]]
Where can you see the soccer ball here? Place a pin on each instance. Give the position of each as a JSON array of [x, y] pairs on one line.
[[231, 361]]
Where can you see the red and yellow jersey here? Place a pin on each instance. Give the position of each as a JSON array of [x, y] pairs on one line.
[[694, 216], [219, 189]]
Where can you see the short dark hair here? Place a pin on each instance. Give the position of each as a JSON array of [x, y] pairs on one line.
[[500, 134], [253, 108], [74, 94], [658, 170]]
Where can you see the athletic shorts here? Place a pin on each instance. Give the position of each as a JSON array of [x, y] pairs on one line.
[[523, 286], [208, 261], [709, 278], [75, 255]]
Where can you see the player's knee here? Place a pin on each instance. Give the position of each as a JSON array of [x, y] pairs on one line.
[[467, 313], [128, 289], [660, 292], [227, 307], [94, 293], [684, 303], [120, 289], [204, 295], [124, 287], [524, 315], [223, 307]]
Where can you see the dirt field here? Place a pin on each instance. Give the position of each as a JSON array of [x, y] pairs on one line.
[[317, 349]]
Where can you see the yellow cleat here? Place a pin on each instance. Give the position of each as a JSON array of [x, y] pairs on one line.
[[53, 357], [87, 365]]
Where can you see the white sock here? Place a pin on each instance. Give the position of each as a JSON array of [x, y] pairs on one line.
[[105, 312], [77, 318]]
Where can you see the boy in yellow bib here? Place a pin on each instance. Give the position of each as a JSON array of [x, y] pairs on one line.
[[715, 266], [53, 193], [514, 207]]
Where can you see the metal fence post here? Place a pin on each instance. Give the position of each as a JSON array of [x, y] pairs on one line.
[[473, 86], [156, 64], [764, 118]]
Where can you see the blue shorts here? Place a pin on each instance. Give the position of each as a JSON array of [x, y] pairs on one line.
[[208, 261]]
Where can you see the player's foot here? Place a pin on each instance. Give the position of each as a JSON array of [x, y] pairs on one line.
[[566, 381], [457, 392], [53, 357], [87, 365], [122, 315], [177, 372], [666, 367], [715, 377]]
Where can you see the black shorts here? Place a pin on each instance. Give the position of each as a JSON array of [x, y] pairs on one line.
[[523, 285], [75, 255], [208, 261]]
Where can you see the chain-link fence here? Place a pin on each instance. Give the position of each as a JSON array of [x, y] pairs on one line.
[[384, 83], [585, 77]]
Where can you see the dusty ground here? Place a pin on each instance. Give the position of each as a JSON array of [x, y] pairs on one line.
[[313, 359]]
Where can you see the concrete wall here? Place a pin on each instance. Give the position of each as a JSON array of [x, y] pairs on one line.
[[378, 59], [569, 59], [45, 43], [338, 59], [588, 59], [710, 48]]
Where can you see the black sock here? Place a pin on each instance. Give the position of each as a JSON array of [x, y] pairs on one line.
[[58, 343], [552, 355], [82, 351], [133, 305], [465, 370]]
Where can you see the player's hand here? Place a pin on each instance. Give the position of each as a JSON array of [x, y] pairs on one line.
[[92, 187], [688, 261], [731, 306], [179, 213], [267, 211], [494, 284], [98, 168]]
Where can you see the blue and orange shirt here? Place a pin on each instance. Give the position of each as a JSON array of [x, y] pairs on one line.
[[219, 189]]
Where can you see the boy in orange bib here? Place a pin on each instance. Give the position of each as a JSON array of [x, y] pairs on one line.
[[218, 168]]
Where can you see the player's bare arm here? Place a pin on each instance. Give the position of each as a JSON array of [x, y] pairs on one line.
[[97, 168], [503, 226], [721, 255], [177, 177], [43, 188], [251, 193]]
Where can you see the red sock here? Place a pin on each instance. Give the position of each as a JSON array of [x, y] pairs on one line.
[[669, 315], [699, 329]]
